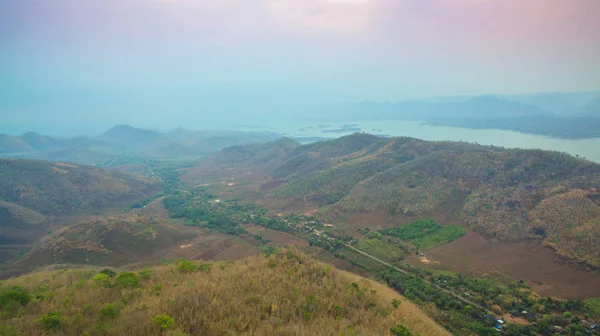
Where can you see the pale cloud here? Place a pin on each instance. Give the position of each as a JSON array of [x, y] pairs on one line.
[[337, 15]]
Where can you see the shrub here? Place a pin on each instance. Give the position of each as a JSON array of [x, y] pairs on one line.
[[101, 279], [110, 273], [400, 330], [14, 295], [145, 273], [52, 321], [109, 310], [205, 267], [128, 280], [163, 321], [185, 266], [396, 303]]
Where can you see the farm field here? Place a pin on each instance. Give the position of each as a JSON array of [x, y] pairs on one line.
[[537, 265]]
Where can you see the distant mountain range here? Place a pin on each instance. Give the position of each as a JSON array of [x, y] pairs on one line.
[[562, 115], [124, 143], [576, 127], [478, 108]]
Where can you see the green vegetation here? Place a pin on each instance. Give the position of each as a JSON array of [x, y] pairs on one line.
[[163, 321], [380, 249], [52, 321], [198, 211], [13, 296], [185, 266], [145, 273], [109, 311], [400, 330], [127, 280], [110, 273], [425, 234], [592, 307], [260, 296]]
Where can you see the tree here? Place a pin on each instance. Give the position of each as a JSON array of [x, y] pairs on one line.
[[127, 279], [14, 295], [110, 311], [52, 321]]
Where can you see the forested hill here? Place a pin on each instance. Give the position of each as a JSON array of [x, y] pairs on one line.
[[54, 188], [508, 194]]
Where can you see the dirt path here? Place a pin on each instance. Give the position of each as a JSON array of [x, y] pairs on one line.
[[153, 174]]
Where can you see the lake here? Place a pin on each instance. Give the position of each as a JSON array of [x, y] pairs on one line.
[[587, 148]]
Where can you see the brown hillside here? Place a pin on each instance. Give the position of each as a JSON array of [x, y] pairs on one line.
[[19, 227], [53, 188], [118, 240], [570, 223], [287, 293]]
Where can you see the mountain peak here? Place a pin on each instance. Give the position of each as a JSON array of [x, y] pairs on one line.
[[129, 133]]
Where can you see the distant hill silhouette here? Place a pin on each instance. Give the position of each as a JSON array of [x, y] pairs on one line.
[[124, 143], [11, 144], [126, 133], [591, 109], [479, 108], [567, 127]]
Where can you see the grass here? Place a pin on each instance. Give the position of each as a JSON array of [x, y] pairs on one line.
[[286, 293], [426, 234], [380, 249]]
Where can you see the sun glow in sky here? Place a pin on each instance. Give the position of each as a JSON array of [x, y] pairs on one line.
[[114, 60]]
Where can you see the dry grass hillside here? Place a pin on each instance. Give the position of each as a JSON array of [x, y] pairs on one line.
[[115, 240], [287, 293]]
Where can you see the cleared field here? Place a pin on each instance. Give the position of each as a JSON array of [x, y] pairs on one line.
[[537, 265], [276, 238]]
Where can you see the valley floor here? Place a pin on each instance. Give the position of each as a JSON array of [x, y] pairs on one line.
[[537, 265]]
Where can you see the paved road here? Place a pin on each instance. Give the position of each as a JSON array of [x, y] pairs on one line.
[[467, 301], [410, 274]]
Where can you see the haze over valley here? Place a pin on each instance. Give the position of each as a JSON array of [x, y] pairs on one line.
[[314, 167]]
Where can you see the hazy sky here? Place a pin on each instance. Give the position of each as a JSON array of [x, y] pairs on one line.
[[167, 63]]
